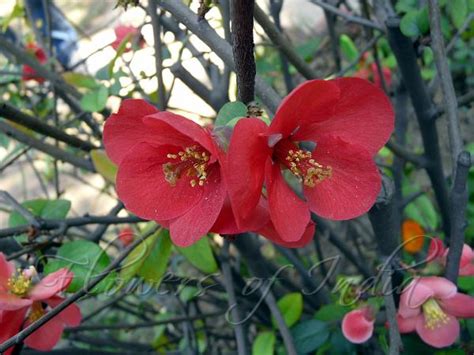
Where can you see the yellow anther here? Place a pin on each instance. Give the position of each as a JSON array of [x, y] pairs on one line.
[[303, 166], [37, 311], [19, 284], [434, 315], [192, 162]]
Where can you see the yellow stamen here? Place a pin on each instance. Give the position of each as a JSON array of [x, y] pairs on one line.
[[434, 315], [302, 165], [191, 161], [37, 311], [19, 284]]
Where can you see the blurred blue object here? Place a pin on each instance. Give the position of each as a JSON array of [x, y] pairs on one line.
[[64, 36]]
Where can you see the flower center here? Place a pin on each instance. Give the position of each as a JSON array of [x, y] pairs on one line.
[[192, 161], [20, 283], [37, 311], [434, 315], [301, 163]]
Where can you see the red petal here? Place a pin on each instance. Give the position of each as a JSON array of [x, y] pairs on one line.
[[51, 285], [9, 302], [460, 305], [353, 186], [412, 298], [443, 335], [142, 187], [356, 327], [290, 215], [184, 127], [70, 316], [270, 233], [10, 324], [47, 336], [362, 116], [196, 223], [6, 270], [313, 100], [245, 167], [407, 325], [442, 288], [125, 128]]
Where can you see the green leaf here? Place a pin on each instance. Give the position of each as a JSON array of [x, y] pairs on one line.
[[95, 100], [81, 80], [17, 12], [409, 24], [86, 260], [421, 210], [423, 20], [200, 255], [309, 335], [331, 312], [348, 48], [155, 264], [46, 209], [458, 11], [340, 345], [264, 343], [103, 165], [230, 111], [466, 283], [136, 259], [291, 308]]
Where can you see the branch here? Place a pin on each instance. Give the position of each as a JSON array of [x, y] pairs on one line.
[[157, 45], [219, 45], [243, 48], [16, 339], [425, 113], [46, 148], [399, 150], [11, 113], [459, 199], [447, 87], [351, 18]]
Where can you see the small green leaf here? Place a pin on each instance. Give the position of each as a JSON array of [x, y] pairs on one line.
[[264, 343], [230, 111], [421, 210], [46, 209], [81, 80], [104, 166], [95, 100], [86, 260], [331, 312], [309, 335], [409, 24], [348, 48], [200, 255], [291, 308], [423, 20], [458, 11], [466, 283], [155, 264], [135, 260]]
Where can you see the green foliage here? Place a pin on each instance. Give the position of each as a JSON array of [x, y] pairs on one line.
[[348, 48], [200, 256], [149, 259], [309, 335], [457, 11], [103, 165], [86, 260], [264, 343], [291, 308], [421, 209], [331, 312], [229, 112], [95, 100], [415, 22]]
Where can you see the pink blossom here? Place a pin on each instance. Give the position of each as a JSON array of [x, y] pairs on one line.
[[431, 306], [358, 325], [22, 303], [438, 253]]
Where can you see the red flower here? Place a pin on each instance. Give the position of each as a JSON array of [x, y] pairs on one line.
[[126, 236], [130, 32], [349, 119], [169, 169], [438, 254], [358, 325], [20, 299], [170, 172], [28, 72]]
